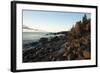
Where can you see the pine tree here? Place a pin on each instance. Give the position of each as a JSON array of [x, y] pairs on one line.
[[84, 19]]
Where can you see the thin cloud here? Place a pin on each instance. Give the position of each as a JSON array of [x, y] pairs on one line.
[[28, 28]]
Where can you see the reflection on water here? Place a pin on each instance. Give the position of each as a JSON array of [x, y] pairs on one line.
[[29, 37]]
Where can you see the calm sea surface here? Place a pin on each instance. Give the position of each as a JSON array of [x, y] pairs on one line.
[[34, 36]]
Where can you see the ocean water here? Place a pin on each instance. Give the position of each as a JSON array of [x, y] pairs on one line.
[[34, 36]]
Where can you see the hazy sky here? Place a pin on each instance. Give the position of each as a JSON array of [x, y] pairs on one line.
[[51, 21]]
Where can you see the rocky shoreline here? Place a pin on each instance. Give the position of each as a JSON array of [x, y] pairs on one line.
[[72, 45]]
